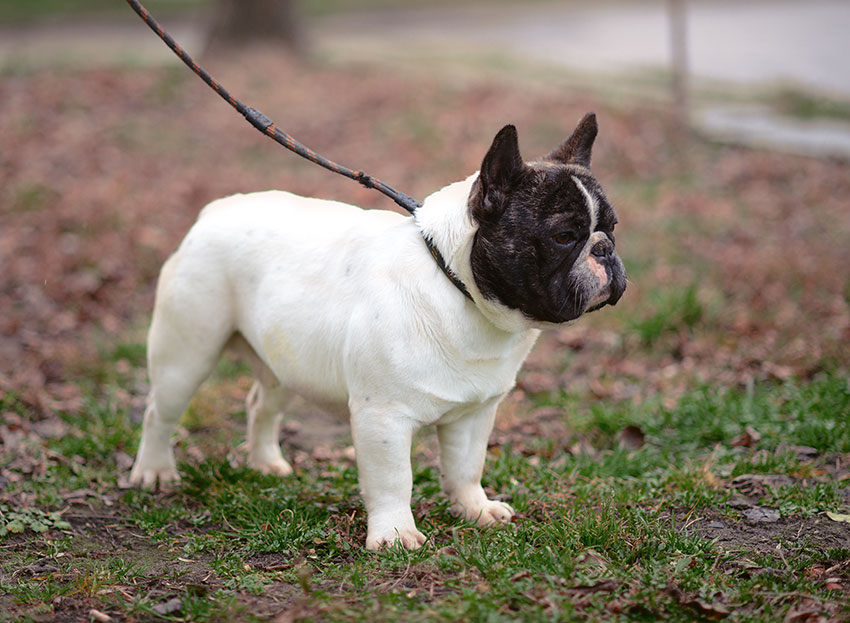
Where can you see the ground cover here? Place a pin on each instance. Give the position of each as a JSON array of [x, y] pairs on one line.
[[682, 456]]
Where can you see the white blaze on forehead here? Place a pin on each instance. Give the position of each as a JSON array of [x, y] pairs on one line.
[[592, 207]]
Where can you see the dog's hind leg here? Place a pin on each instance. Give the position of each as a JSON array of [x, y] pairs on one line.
[[264, 405], [184, 344], [265, 410]]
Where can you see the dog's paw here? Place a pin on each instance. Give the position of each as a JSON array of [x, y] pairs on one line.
[[409, 539], [167, 478], [279, 467], [487, 514]]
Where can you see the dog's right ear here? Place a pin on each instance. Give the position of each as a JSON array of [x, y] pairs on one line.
[[499, 171], [576, 149]]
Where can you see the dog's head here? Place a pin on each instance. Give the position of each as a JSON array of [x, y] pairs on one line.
[[544, 244]]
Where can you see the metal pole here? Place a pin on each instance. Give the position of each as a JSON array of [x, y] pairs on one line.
[[679, 54]]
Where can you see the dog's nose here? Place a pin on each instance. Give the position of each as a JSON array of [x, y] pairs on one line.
[[602, 249]]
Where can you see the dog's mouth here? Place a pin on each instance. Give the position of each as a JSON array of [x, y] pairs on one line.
[[599, 302], [606, 299], [613, 287]]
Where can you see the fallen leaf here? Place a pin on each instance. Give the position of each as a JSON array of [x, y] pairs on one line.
[[838, 517], [756, 485], [714, 610], [582, 447], [97, 615], [602, 585], [40, 567], [175, 604], [630, 438], [803, 451], [749, 438], [804, 615], [287, 616], [833, 584], [778, 372], [710, 610], [123, 461]]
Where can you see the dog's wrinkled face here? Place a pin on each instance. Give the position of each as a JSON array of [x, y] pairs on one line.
[[545, 238]]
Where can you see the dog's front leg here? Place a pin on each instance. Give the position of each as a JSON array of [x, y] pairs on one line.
[[463, 448], [382, 438]]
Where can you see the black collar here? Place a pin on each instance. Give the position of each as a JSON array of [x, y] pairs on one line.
[[441, 262]]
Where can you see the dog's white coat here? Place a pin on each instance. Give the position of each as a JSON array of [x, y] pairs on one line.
[[347, 308]]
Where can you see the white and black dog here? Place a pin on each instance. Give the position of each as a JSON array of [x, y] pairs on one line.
[[347, 308]]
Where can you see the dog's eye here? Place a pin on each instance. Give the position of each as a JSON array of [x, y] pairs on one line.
[[563, 237]]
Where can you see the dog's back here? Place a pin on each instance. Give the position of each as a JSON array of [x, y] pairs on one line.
[[278, 269]]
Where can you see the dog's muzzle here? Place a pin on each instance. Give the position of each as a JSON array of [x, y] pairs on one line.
[[608, 268]]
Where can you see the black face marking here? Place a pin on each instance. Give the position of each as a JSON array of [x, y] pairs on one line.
[[534, 224]]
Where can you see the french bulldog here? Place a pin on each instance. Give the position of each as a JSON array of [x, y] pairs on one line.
[[347, 308]]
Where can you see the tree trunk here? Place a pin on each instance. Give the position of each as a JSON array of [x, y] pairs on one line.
[[240, 22]]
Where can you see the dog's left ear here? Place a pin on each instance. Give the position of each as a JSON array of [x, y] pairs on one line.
[[576, 149], [499, 171]]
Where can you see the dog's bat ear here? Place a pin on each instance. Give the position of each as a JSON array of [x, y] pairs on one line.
[[499, 170], [576, 149]]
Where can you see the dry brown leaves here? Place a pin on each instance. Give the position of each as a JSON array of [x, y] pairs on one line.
[[103, 171]]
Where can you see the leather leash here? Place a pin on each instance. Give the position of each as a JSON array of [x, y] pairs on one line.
[[268, 127]]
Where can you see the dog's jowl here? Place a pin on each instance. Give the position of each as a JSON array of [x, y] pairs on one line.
[[348, 308]]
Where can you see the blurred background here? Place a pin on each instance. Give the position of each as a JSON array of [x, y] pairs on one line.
[[788, 54], [724, 139]]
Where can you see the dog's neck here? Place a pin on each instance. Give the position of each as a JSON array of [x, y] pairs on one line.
[[445, 219]]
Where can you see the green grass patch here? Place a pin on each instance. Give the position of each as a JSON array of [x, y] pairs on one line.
[[669, 312], [618, 532], [808, 106]]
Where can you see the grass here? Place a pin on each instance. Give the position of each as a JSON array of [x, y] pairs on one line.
[[671, 311], [619, 534], [807, 106]]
